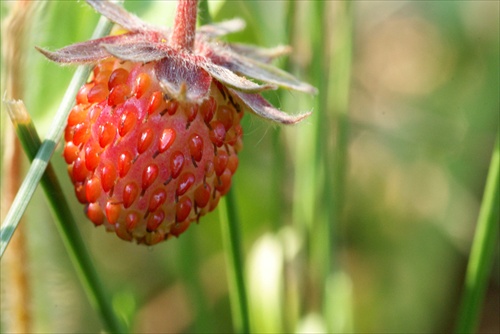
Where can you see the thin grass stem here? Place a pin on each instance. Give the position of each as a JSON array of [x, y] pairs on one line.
[[278, 177], [308, 170], [337, 129], [47, 148], [483, 249], [324, 216], [234, 259], [65, 221]]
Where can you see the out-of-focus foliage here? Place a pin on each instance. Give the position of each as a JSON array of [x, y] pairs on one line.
[[423, 115]]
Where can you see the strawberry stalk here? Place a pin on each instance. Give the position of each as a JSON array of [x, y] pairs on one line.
[[185, 25]]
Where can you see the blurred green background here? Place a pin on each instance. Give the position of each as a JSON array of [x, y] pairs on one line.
[[371, 237]]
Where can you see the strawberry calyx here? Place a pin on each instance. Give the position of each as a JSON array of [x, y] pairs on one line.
[[187, 64]]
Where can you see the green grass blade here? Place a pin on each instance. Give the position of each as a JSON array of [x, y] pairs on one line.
[[66, 223], [234, 259], [483, 248], [44, 154], [335, 163], [203, 13]]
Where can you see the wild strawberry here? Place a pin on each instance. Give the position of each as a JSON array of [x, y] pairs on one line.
[[152, 141]]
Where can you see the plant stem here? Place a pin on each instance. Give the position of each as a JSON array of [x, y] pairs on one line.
[[66, 223], [232, 245], [184, 30], [483, 248], [42, 158]]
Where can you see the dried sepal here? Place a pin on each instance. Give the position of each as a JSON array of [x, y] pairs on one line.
[[258, 105], [183, 80], [94, 50], [230, 79], [137, 52], [120, 16], [264, 72], [185, 71], [80, 53]]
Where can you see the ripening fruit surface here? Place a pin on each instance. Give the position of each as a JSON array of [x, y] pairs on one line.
[[146, 165]]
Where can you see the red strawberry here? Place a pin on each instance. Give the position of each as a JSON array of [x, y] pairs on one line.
[[152, 141], [146, 165]]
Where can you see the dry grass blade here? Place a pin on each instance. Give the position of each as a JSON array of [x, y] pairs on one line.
[[16, 260]]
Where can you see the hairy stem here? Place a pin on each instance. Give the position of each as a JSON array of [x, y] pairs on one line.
[[185, 25]]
